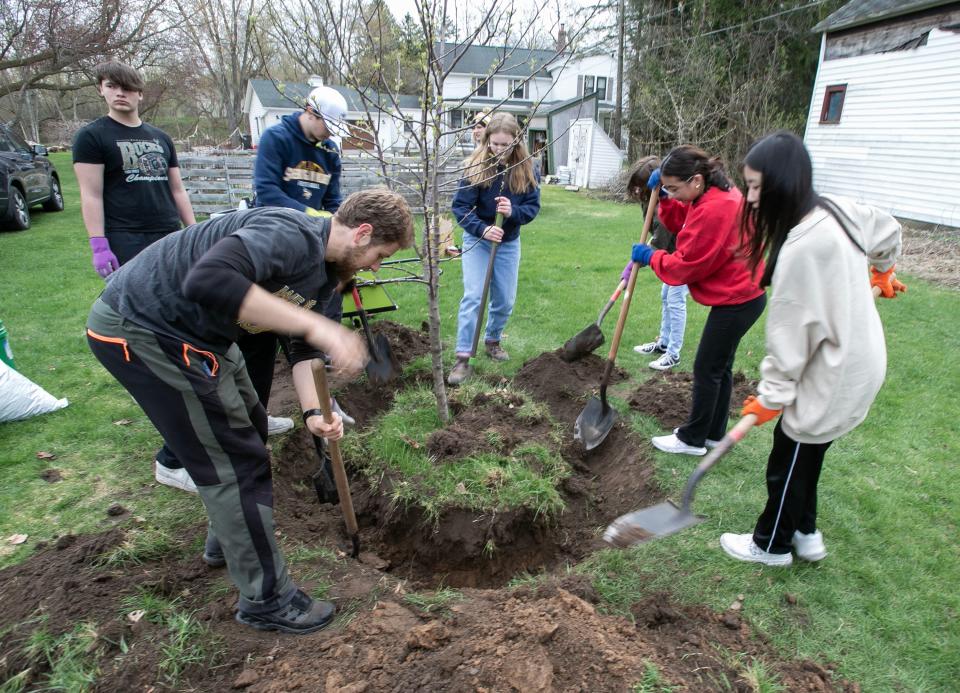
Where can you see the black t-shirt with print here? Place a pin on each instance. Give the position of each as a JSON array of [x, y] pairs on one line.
[[136, 187]]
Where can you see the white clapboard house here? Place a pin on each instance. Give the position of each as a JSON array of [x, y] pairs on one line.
[[884, 121]]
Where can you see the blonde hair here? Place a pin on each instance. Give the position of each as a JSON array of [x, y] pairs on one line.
[[481, 166], [386, 211]]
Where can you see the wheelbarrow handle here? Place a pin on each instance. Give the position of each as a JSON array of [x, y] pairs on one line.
[[733, 436]]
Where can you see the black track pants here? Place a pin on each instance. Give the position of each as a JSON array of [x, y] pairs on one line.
[[713, 370], [205, 407], [793, 472]]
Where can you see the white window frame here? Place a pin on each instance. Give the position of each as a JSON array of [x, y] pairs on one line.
[[522, 85], [479, 83]]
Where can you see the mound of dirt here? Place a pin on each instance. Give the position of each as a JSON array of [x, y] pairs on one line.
[[532, 639], [668, 395]]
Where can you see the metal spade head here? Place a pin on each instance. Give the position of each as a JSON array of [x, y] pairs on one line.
[[383, 365], [594, 423], [654, 522], [582, 343]]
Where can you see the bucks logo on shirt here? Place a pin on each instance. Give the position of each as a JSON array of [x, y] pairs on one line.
[[143, 160]]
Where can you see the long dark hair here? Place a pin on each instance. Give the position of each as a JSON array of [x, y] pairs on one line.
[[686, 161], [786, 196]]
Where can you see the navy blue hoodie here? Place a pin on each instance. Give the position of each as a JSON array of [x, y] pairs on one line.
[[291, 171], [475, 207]]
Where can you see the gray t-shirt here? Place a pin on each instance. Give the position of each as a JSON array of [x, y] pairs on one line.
[[190, 284]]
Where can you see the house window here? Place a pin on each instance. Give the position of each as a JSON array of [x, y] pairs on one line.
[[602, 87], [481, 86], [456, 119], [833, 103], [518, 89], [588, 84]]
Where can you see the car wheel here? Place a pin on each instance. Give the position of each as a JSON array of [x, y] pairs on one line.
[[55, 203], [18, 214]]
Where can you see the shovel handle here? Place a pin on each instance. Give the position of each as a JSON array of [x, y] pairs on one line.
[[648, 217], [733, 436], [339, 473], [498, 222]]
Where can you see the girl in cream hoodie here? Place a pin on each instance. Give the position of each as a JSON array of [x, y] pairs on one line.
[[826, 356]]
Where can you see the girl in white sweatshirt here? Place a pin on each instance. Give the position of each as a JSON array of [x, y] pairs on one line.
[[826, 356]]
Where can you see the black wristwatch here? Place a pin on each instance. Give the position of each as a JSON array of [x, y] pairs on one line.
[[311, 412]]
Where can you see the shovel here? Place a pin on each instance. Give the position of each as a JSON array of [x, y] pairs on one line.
[[590, 337], [383, 365], [665, 518], [498, 222], [339, 473], [596, 420]]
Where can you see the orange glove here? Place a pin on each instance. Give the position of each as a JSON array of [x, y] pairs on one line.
[[887, 282], [751, 405]]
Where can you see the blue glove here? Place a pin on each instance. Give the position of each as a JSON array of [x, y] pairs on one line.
[[654, 179], [641, 254]]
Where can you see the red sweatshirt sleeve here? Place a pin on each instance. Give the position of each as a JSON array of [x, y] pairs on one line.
[[672, 214]]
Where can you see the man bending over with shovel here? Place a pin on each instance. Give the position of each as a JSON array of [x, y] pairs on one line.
[[166, 327]]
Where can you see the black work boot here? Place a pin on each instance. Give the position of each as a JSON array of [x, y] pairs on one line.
[[302, 615], [212, 552]]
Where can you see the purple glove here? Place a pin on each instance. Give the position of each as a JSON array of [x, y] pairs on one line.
[[641, 254], [104, 261], [625, 275]]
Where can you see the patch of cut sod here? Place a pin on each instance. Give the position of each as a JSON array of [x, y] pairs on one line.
[[500, 452]]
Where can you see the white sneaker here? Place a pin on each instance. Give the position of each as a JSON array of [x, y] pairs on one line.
[[743, 548], [664, 363], [809, 547], [654, 347], [278, 424], [671, 443], [175, 478]]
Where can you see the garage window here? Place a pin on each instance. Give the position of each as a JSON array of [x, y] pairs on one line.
[[832, 104]]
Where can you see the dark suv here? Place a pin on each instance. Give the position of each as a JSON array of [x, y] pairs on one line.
[[27, 178]]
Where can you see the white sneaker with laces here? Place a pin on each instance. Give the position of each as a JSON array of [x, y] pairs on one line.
[[654, 347], [278, 424], [671, 443], [664, 363], [743, 548], [809, 547], [175, 478]]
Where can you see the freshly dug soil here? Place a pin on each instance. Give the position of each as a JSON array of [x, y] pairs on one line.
[[489, 638], [668, 395]]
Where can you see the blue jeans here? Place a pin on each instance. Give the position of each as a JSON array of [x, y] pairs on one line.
[[503, 289], [674, 317]]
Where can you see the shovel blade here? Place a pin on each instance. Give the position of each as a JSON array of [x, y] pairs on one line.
[[582, 343], [383, 366], [594, 423], [657, 521]]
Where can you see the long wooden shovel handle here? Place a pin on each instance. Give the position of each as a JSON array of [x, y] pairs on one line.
[[498, 222], [339, 473], [733, 436], [631, 283]]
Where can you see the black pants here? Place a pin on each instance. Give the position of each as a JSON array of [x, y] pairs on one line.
[[793, 472], [713, 370], [204, 406], [126, 245]]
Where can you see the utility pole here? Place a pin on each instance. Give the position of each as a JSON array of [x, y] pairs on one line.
[[618, 111]]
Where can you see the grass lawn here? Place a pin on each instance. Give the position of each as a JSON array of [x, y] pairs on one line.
[[883, 605]]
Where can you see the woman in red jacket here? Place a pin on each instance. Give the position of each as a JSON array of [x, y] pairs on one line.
[[702, 207]]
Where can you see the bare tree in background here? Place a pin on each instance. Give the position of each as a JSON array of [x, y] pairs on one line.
[[50, 45], [222, 34]]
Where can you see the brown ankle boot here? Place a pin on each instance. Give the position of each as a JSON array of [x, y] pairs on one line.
[[460, 371], [495, 351]]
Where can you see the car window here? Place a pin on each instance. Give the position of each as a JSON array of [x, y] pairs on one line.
[[18, 143]]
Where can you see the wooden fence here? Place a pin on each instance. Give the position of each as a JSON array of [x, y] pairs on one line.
[[220, 181]]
